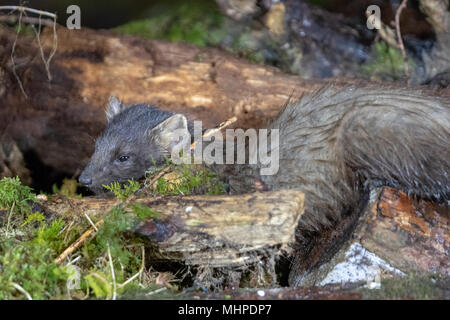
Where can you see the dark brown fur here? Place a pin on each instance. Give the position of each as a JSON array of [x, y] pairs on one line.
[[337, 144]]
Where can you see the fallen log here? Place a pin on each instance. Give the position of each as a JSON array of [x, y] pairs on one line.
[[394, 235], [213, 231]]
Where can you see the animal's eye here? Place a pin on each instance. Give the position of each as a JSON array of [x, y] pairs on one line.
[[124, 158]]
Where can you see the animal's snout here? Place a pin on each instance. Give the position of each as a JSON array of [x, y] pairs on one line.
[[85, 181]]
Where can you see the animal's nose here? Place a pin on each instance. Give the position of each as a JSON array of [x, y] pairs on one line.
[[85, 181]]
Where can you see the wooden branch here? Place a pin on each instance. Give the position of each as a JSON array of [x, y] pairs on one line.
[[219, 231], [399, 36], [23, 9], [77, 243]]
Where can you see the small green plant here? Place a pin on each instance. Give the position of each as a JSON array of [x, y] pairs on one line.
[[49, 236], [33, 217], [68, 188], [389, 61], [191, 179], [126, 191], [110, 240], [13, 193], [143, 212], [100, 284], [111, 234], [107, 263]]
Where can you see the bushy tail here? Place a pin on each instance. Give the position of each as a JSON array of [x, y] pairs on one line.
[[401, 140]]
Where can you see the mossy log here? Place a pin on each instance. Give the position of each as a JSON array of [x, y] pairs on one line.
[[230, 231], [216, 231]]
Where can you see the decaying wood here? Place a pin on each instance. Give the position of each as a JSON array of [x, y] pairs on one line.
[[409, 233], [218, 231]]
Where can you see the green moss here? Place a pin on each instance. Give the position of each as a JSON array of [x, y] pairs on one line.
[[198, 23], [412, 286], [388, 62], [68, 188], [191, 179], [248, 46], [34, 241], [49, 236], [123, 191], [144, 212], [100, 284], [30, 265], [125, 258], [12, 192], [110, 234], [33, 217]]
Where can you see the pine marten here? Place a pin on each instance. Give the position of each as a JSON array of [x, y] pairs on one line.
[[334, 145]]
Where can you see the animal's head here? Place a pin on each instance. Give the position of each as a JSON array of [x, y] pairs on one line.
[[136, 138]]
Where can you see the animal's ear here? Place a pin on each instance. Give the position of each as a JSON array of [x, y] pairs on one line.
[[114, 107], [171, 132]]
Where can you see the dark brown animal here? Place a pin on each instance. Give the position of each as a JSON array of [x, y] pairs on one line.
[[335, 145]]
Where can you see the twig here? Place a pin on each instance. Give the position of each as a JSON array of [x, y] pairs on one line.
[[90, 221], [30, 20], [9, 218], [112, 274], [139, 272], [399, 36], [24, 18], [216, 129], [23, 9], [12, 57], [41, 49], [77, 243], [156, 291], [385, 32], [18, 287]]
